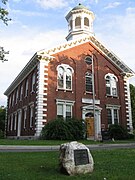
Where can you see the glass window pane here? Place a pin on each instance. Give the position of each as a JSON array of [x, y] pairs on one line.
[[115, 116], [88, 82], [68, 111], [60, 77], [109, 116], [108, 91], [88, 60], [60, 110]]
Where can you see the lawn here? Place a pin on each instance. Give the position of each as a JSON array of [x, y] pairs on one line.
[[53, 142], [110, 164]]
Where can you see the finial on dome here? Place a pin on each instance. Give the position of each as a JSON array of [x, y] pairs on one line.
[[80, 4]]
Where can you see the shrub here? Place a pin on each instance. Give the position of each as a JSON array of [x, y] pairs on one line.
[[118, 132], [60, 129], [77, 128], [56, 129], [1, 134]]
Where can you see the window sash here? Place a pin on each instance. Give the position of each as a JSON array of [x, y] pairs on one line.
[[31, 115], [64, 78], [109, 116], [88, 83], [113, 116], [64, 110], [25, 118], [111, 86]]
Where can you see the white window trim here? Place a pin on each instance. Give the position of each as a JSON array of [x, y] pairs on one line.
[[65, 67], [11, 125], [65, 103], [21, 92], [31, 114], [33, 82], [16, 96], [26, 88], [15, 121], [112, 108], [88, 74], [25, 117], [13, 98], [112, 76]]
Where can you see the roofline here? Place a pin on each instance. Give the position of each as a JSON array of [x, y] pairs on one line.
[[47, 55], [80, 10], [98, 45], [26, 70]]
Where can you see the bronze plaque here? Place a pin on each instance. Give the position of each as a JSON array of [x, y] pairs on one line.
[[81, 157]]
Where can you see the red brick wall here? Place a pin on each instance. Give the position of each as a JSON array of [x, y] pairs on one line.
[[75, 58], [21, 104]]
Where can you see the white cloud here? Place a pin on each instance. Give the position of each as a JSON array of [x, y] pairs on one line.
[[118, 34], [52, 3], [112, 5], [22, 48], [27, 13]]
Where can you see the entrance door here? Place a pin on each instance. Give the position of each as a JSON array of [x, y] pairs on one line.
[[90, 127]]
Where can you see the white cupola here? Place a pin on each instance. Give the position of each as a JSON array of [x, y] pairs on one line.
[[80, 22]]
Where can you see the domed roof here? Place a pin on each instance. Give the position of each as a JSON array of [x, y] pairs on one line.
[[80, 6]]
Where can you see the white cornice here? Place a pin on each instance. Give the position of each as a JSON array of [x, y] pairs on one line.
[[98, 45], [80, 11]]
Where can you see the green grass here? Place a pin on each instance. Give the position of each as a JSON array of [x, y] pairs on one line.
[[51, 142], [110, 164]]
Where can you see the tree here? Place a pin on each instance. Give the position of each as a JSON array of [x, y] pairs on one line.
[[4, 18], [132, 95], [4, 13], [2, 120]]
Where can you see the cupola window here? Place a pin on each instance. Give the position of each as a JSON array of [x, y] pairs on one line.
[[86, 21], [78, 22]]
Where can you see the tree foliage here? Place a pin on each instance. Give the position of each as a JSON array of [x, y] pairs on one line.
[[60, 129], [4, 13], [132, 95], [2, 121], [4, 18]]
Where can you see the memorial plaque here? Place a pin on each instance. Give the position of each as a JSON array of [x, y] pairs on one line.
[[81, 157]]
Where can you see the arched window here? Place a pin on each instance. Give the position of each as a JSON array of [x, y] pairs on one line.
[[88, 82], [61, 77], [111, 85], [64, 77], [78, 22], [86, 21], [68, 78]]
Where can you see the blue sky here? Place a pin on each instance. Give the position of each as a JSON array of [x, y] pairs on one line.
[[41, 24]]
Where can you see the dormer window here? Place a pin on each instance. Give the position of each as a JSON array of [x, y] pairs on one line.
[[64, 77]]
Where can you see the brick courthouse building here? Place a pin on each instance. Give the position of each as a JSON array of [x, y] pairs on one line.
[[80, 78]]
